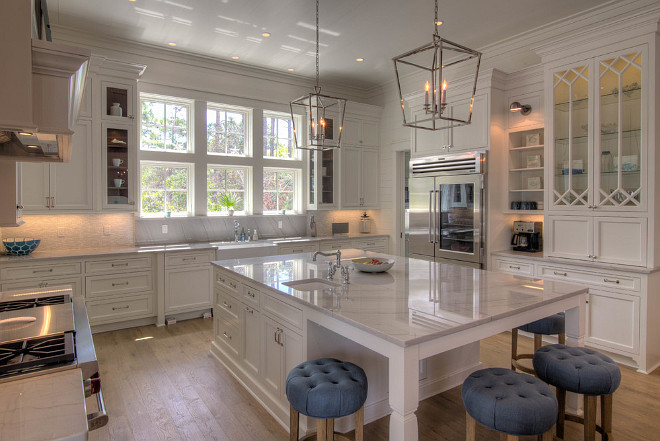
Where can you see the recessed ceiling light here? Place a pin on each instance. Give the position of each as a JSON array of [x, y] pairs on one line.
[[235, 57], [438, 23], [290, 69], [131, 0], [265, 34], [171, 43], [359, 60]]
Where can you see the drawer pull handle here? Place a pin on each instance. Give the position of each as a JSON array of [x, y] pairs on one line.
[[557, 273], [189, 258], [251, 294], [114, 265], [514, 267], [43, 284], [221, 279], [250, 310], [50, 270], [227, 305], [116, 308], [227, 336], [297, 251], [612, 281], [233, 285], [120, 284]]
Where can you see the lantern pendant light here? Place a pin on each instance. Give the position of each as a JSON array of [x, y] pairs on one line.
[[423, 87], [325, 114]]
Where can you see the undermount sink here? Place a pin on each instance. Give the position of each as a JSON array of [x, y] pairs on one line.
[[311, 284]]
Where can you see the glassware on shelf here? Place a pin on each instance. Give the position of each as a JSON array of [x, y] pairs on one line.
[[606, 162]]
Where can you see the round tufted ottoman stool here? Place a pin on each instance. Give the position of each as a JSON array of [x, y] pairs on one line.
[[509, 402], [583, 371], [552, 325], [326, 388]]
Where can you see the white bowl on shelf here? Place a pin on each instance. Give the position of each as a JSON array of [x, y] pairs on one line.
[[361, 264]]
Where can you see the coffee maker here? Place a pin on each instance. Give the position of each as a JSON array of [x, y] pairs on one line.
[[527, 236]]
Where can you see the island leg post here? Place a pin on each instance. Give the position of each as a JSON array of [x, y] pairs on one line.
[[404, 393]]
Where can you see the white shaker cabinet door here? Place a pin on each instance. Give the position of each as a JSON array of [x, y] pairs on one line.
[[474, 135], [273, 355], [620, 240], [369, 178], [187, 289], [613, 321], [251, 333], [71, 182], [569, 236]]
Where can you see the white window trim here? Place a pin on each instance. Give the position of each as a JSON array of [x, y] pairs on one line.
[[191, 179], [297, 153], [190, 104], [249, 118], [249, 198], [298, 196]]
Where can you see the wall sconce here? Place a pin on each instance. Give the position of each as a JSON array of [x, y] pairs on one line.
[[524, 109]]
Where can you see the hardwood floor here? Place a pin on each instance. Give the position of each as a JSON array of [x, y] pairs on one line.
[[163, 384]]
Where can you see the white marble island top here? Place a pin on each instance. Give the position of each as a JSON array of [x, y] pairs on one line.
[[415, 301]]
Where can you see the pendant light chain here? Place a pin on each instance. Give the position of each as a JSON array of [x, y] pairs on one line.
[[317, 44], [435, 21]]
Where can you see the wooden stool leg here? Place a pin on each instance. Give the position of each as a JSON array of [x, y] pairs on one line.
[[359, 424], [470, 428], [547, 436], [538, 341], [561, 339], [590, 404], [321, 430], [294, 418], [561, 415], [330, 429], [514, 347], [606, 415]]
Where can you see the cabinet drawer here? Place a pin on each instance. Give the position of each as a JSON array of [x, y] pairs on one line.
[[331, 245], [120, 265], [513, 267], [282, 311], [46, 282], [609, 280], [226, 306], [379, 244], [251, 296], [180, 259], [298, 248], [226, 282], [120, 309], [24, 272], [115, 285], [227, 337]]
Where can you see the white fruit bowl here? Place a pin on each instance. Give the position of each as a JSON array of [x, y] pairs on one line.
[[362, 265]]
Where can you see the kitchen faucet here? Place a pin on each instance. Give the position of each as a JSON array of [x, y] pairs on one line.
[[331, 267], [237, 226]]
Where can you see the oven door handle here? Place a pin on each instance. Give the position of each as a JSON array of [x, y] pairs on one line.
[[97, 419]]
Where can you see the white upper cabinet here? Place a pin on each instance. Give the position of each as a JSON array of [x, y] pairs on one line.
[[358, 132], [359, 178]]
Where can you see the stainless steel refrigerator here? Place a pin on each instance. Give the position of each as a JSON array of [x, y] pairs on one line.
[[445, 203]]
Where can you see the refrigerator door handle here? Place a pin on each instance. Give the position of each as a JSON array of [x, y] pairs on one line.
[[431, 218], [436, 222]]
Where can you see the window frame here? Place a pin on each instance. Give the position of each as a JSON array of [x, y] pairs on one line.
[[248, 124], [190, 120], [247, 201], [298, 196], [190, 191], [297, 153]]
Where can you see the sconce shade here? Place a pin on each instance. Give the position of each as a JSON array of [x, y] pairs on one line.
[[524, 109]]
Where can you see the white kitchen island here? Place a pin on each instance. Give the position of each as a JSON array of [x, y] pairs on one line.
[[416, 311]]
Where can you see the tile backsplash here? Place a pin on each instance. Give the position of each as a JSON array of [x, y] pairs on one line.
[[76, 231]]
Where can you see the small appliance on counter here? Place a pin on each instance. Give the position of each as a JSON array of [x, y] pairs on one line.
[[340, 228], [527, 236], [365, 223]]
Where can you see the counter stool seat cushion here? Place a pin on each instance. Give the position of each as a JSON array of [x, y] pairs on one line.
[[510, 402], [577, 369], [326, 388], [552, 325]]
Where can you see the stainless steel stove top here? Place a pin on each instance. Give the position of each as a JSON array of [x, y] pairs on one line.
[[34, 322]]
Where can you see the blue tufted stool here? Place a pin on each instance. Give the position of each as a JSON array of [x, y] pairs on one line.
[[583, 371], [509, 402], [326, 388], [552, 325]]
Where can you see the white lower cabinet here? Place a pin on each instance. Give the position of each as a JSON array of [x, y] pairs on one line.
[[42, 275], [44, 282], [282, 350], [302, 247], [188, 281], [376, 244], [513, 267], [613, 321], [251, 339]]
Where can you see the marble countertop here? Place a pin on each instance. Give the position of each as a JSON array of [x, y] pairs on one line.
[[538, 256], [45, 407], [413, 302], [91, 252]]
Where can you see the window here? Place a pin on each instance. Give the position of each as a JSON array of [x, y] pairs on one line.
[[279, 190], [165, 189], [230, 180], [164, 124], [278, 137], [226, 131]]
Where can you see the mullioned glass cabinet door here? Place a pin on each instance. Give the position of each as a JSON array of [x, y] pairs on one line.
[[619, 136], [572, 140]]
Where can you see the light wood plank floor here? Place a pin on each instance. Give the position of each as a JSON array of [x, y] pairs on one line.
[[162, 384]]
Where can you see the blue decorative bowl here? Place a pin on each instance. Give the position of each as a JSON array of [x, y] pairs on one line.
[[19, 246]]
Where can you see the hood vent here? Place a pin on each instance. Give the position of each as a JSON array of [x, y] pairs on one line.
[[448, 165]]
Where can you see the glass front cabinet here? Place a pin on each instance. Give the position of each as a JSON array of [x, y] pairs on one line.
[[119, 165], [323, 174], [597, 157]]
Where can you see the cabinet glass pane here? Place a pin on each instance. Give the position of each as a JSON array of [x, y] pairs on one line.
[[571, 136], [327, 177], [620, 130], [312, 178], [117, 166], [117, 101], [456, 214]]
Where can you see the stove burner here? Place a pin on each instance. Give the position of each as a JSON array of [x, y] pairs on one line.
[[32, 355], [16, 305]]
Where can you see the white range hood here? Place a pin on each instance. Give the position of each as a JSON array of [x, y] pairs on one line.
[[42, 84]]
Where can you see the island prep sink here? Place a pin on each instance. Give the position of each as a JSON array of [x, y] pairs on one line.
[[311, 284]]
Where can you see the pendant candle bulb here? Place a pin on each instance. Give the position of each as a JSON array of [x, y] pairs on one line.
[[325, 113]]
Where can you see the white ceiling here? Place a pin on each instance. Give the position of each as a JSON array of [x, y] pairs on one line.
[[375, 30]]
